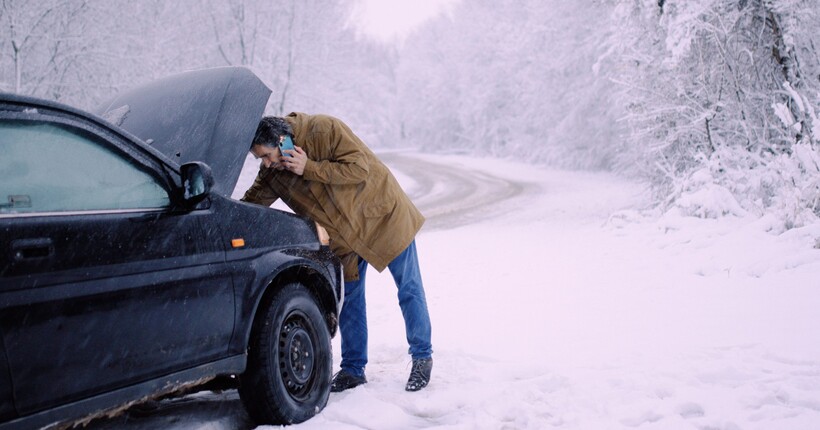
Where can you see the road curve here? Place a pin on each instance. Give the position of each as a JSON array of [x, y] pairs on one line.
[[451, 196]]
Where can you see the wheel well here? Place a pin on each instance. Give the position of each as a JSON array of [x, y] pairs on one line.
[[315, 283]]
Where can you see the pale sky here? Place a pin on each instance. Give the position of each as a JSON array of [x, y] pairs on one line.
[[391, 19]]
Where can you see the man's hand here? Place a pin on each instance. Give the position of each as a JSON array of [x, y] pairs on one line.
[[296, 162]]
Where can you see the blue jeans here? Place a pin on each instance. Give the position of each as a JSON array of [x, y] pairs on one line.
[[353, 319]]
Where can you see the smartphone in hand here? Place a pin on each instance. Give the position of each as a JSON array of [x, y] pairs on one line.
[[284, 144]]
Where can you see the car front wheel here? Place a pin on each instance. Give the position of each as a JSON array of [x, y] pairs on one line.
[[289, 360]]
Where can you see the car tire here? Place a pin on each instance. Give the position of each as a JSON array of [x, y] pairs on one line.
[[289, 359]]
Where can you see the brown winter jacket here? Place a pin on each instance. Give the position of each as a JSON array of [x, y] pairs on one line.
[[347, 190]]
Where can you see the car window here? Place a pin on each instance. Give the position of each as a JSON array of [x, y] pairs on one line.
[[55, 168]]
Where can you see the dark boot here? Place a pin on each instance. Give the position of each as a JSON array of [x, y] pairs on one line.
[[420, 374], [343, 380]]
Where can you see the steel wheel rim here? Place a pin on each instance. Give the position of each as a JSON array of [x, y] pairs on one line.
[[297, 355]]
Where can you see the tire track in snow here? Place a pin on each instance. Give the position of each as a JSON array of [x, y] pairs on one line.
[[451, 196]]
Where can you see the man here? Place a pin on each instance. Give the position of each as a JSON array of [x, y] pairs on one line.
[[331, 177]]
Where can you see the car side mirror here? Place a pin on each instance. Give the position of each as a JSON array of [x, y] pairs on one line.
[[197, 181]]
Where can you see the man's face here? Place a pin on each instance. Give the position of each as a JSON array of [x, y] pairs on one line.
[[268, 154]]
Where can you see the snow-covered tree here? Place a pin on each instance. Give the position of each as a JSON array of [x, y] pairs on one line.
[[512, 79], [84, 51], [717, 88], [43, 48]]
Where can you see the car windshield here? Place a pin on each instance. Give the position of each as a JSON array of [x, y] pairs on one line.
[[54, 168]]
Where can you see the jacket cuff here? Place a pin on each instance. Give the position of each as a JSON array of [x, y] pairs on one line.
[[310, 170]]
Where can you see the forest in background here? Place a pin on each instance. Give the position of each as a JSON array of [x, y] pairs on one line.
[[714, 103]]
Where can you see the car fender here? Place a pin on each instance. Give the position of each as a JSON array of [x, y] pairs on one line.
[[272, 271]]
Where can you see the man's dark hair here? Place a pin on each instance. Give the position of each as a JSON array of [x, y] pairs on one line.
[[270, 129]]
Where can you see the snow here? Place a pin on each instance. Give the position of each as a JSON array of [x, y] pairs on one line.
[[579, 309], [117, 116]]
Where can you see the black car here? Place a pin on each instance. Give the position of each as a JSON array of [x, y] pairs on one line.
[[127, 273]]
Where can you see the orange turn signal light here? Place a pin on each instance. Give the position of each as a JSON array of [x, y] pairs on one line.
[[238, 243]]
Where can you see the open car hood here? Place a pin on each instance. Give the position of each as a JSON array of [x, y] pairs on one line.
[[206, 115]]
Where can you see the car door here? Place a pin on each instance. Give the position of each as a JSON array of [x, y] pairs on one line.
[[102, 282]]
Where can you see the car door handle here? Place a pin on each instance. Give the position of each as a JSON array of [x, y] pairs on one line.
[[32, 249]]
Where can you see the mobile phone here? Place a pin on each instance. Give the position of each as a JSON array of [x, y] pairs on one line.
[[286, 143]]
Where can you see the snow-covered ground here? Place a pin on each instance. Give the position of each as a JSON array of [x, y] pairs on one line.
[[562, 306], [573, 311]]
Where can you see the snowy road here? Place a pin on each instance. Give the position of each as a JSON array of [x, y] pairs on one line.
[[555, 305], [451, 195]]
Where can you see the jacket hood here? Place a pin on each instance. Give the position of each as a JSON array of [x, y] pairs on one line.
[[206, 115]]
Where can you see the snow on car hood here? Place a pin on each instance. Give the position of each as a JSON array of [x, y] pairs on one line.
[[205, 115]]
